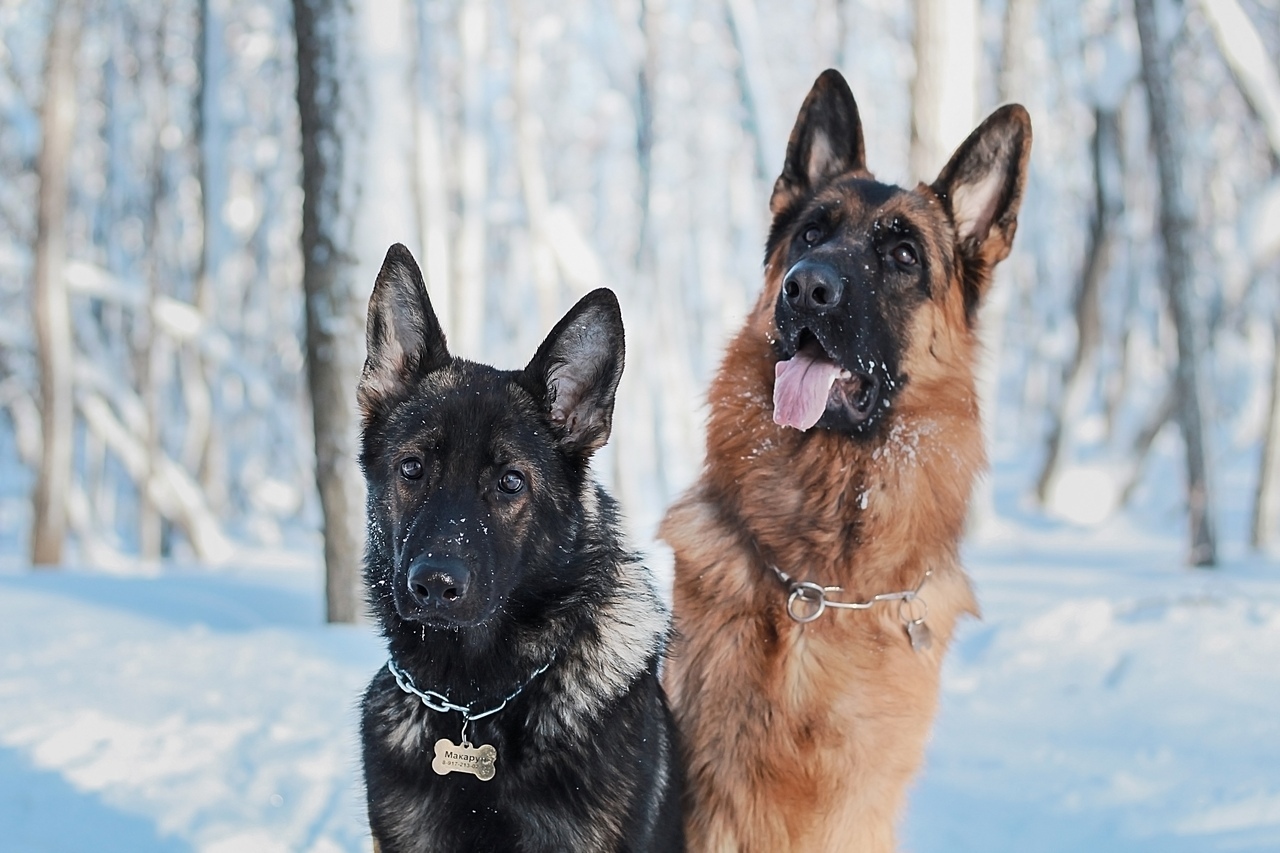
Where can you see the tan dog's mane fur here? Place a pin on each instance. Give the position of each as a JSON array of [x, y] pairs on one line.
[[805, 737]]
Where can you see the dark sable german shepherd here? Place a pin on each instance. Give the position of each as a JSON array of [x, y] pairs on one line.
[[521, 708], [817, 578]]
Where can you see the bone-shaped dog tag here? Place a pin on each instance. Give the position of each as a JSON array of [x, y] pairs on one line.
[[453, 758]]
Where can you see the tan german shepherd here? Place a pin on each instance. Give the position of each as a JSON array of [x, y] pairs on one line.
[[817, 580]]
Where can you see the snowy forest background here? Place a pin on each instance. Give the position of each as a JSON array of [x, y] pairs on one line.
[[152, 198], [195, 196]]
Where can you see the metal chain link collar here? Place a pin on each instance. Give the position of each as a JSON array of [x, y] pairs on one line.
[[439, 702]]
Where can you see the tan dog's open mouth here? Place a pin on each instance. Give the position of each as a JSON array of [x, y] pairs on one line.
[[809, 383]]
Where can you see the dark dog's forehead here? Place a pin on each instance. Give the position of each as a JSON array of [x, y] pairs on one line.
[[467, 407]]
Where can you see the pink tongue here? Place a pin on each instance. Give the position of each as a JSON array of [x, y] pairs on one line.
[[800, 390]]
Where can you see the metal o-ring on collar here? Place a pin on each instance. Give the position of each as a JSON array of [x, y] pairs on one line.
[[813, 595], [905, 609]]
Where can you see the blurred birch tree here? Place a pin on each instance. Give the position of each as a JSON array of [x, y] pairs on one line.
[[51, 311]]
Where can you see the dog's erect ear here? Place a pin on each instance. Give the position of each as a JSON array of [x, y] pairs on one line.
[[575, 372], [826, 141], [403, 338], [982, 185]]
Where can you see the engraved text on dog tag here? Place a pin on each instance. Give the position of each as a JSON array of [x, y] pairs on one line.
[[476, 760]]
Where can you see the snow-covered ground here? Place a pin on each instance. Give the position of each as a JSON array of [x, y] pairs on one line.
[[191, 711], [1110, 700]]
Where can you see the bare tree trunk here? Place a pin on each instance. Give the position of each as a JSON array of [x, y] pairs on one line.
[[1015, 84], [648, 26], [473, 170], [1266, 504], [846, 16], [1176, 229], [1140, 449], [150, 348], [944, 107], [944, 94], [1018, 46], [430, 175], [635, 436], [201, 450], [768, 132], [533, 178], [1256, 74], [1088, 310], [329, 92], [52, 312], [1118, 384]]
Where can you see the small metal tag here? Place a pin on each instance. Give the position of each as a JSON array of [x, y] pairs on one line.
[[920, 635], [453, 758]]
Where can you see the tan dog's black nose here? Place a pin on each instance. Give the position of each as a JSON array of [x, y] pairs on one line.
[[813, 288]]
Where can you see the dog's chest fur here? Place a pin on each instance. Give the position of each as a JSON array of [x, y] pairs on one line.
[[517, 809], [580, 738]]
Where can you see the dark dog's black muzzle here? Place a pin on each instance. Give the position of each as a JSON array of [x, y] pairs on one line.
[[439, 582]]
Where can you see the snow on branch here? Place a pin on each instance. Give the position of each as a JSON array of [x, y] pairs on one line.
[[181, 321], [1263, 226], [1250, 63], [177, 496]]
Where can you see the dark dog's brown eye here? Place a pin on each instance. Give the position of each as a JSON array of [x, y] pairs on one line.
[[511, 482], [411, 469], [905, 255], [812, 234]]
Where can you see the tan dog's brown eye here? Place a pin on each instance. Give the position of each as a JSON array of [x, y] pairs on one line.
[[511, 482], [411, 469], [905, 255]]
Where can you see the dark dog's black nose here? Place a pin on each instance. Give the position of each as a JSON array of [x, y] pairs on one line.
[[438, 581], [812, 288]]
